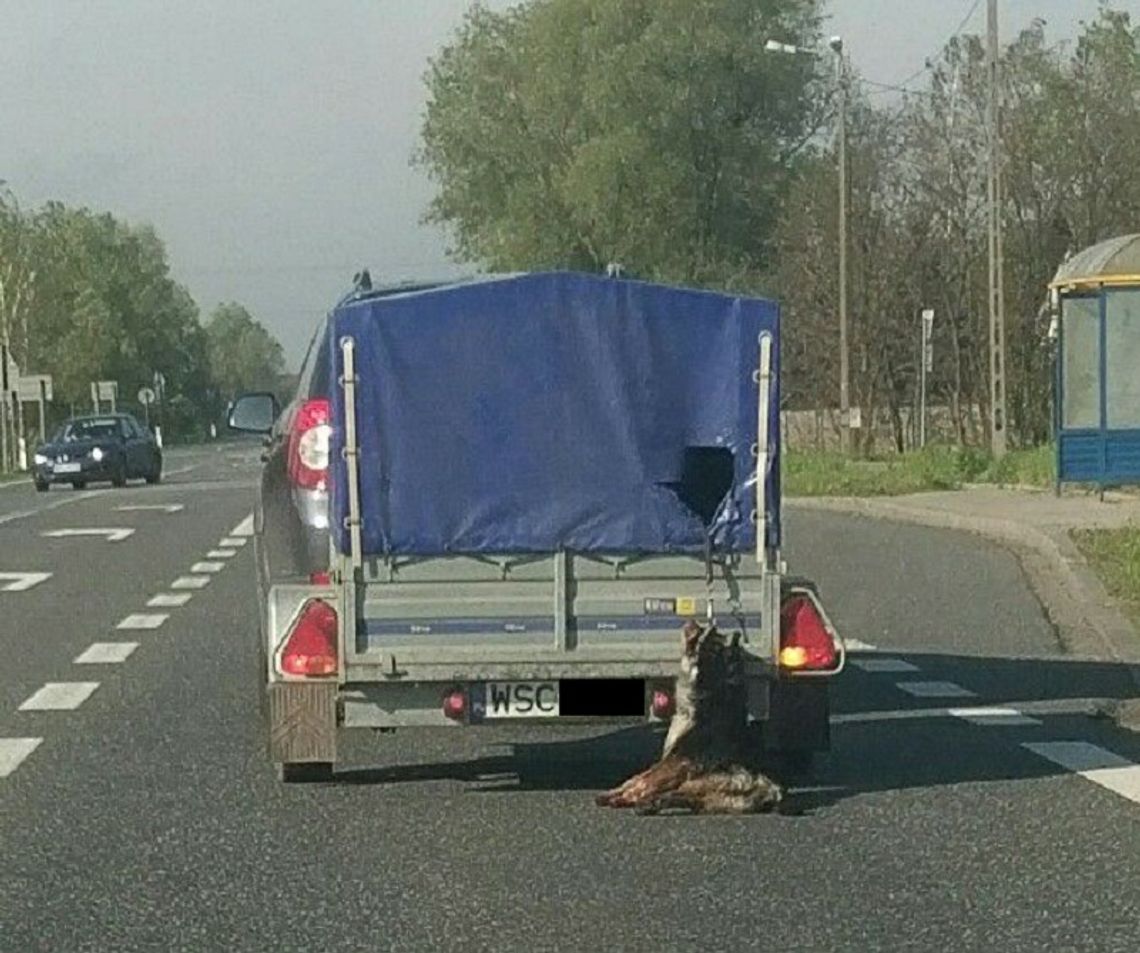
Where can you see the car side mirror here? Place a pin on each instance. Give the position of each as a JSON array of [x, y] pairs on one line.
[[253, 413]]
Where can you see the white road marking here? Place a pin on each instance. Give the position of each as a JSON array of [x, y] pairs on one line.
[[111, 534], [232, 541], [884, 665], [190, 582], [143, 620], [244, 528], [994, 717], [140, 507], [106, 653], [935, 690], [207, 567], [13, 751], [855, 645], [1102, 767], [169, 600], [221, 553], [21, 581], [60, 696]]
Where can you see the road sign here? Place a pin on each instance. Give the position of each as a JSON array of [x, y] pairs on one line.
[[928, 340], [108, 390], [34, 387], [855, 418], [146, 396]]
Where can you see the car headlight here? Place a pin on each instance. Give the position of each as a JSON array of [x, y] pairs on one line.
[[97, 454], [40, 459]]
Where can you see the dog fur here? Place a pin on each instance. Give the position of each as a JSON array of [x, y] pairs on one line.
[[701, 769]]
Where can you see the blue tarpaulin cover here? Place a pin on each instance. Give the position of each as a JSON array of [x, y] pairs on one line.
[[547, 412]]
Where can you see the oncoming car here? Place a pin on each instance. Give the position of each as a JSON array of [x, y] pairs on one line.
[[111, 447]]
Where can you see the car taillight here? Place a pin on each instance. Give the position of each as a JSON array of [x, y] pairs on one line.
[[805, 642], [309, 445], [311, 646]]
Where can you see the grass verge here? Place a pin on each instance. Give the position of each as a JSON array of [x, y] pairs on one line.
[[935, 468], [1114, 555]]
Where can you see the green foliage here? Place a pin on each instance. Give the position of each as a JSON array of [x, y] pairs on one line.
[[1114, 555], [933, 468], [244, 356], [655, 133], [85, 297]]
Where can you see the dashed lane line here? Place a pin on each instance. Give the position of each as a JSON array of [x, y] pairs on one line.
[[994, 717], [106, 653], [143, 620], [1093, 763], [59, 696], [233, 541], [190, 582], [935, 690], [21, 581], [855, 645], [878, 665], [145, 507], [13, 751], [244, 528], [112, 534], [208, 567], [169, 600], [221, 553]]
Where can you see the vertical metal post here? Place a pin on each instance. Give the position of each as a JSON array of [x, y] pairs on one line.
[[763, 408], [351, 451], [43, 410], [996, 276], [841, 150], [4, 405]]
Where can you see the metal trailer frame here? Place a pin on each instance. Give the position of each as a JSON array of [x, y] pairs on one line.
[[402, 686]]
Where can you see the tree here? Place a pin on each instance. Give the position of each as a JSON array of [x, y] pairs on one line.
[[243, 355], [656, 133]]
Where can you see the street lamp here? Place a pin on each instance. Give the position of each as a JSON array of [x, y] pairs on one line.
[[836, 46]]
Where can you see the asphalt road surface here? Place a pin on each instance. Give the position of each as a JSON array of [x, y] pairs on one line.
[[969, 802]]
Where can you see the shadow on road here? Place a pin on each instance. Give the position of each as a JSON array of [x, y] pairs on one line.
[[883, 738]]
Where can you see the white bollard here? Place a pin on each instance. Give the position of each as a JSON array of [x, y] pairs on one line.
[[158, 437], [22, 454]]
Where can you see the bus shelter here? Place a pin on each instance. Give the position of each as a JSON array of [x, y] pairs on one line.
[[1096, 296]]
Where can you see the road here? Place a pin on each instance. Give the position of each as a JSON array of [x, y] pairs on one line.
[[142, 815]]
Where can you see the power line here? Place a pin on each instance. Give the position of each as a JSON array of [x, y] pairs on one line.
[[902, 85]]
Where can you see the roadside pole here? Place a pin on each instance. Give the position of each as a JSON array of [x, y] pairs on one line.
[[926, 366], [43, 410], [4, 405]]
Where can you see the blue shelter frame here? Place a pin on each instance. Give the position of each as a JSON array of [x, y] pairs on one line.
[[1097, 370]]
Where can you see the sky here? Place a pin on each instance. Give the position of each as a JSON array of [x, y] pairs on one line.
[[268, 141]]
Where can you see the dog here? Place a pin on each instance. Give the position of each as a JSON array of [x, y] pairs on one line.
[[701, 766]]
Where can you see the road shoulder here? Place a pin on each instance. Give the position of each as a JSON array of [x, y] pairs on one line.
[[1087, 619]]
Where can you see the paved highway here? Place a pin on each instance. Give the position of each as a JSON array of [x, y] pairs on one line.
[[969, 803]]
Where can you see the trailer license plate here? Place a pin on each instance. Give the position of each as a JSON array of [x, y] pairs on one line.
[[522, 700]]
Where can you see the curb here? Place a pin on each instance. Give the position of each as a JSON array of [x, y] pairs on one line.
[[1086, 619]]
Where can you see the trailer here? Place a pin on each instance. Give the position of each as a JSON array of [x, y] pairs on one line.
[[533, 481]]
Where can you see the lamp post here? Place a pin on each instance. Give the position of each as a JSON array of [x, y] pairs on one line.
[[836, 45]]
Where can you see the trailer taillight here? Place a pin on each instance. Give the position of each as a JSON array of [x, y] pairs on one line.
[[309, 439], [310, 649], [805, 640], [454, 705]]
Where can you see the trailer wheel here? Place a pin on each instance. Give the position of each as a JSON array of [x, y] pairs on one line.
[[305, 772]]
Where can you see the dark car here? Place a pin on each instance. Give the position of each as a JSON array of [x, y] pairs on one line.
[[291, 523], [113, 447]]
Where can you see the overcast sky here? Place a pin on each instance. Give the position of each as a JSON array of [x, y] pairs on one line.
[[268, 140]]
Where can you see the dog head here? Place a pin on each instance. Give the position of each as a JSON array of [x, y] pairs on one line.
[[707, 657]]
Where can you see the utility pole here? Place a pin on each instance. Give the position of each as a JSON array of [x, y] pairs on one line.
[[841, 151], [996, 276]]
